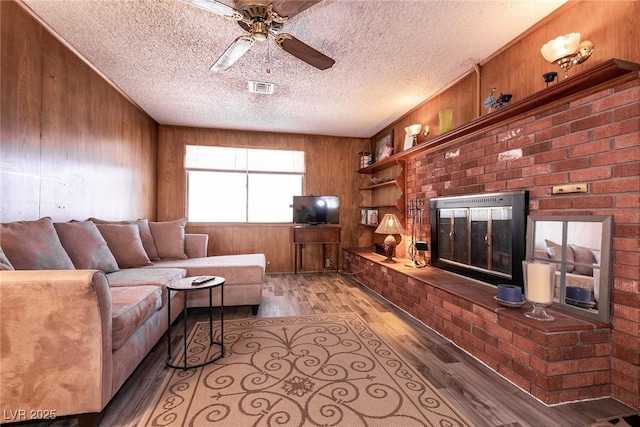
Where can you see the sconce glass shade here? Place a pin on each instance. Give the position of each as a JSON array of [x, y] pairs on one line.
[[413, 129], [561, 47]]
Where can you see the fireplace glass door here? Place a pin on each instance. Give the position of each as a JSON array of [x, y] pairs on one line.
[[452, 235], [478, 237]]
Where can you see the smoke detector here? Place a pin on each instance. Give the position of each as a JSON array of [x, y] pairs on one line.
[[261, 87]]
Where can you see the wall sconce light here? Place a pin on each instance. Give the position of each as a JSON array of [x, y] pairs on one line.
[[414, 131], [566, 51], [390, 225]]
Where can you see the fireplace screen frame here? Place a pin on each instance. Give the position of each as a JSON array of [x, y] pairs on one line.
[[519, 204]]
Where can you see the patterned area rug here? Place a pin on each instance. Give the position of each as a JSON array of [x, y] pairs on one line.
[[627, 421], [323, 370]]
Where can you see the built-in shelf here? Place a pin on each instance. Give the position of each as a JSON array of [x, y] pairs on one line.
[[377, 206], [385, 197], [383, 164], [383, 184]]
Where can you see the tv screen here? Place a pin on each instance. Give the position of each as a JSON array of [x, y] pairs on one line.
[[316, 209]]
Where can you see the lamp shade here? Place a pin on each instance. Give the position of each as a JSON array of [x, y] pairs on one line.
[[560, 47], [413, 129], [390, 224]]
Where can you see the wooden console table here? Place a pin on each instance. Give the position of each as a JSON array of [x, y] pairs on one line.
[[314, 235]]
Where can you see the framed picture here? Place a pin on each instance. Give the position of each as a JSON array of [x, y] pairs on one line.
[[408, 142], [384, 146], [372, 217], [364, 213]]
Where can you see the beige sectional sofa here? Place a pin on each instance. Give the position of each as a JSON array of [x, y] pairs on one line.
[[82, 304]]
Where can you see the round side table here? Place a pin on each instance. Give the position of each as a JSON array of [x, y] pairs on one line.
[[186, 285]]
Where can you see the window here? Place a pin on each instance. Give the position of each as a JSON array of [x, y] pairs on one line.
[[242, 185]]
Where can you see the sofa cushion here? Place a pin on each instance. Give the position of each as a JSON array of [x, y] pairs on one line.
[[145, 277], [34, 245], [554, 251], [5, 264], [584, 256], [236, 269], [145, 235], [125, 244], [131, 306], [86, 247], [169, 238]]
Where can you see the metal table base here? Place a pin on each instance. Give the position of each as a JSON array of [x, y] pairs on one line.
[[218, 281]]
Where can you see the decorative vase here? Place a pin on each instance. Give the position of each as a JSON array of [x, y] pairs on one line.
[[446, 119]]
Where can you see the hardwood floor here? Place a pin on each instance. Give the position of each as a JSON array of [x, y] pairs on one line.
[[485, 398]]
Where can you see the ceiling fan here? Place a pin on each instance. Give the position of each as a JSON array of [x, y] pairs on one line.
[[261, 18]]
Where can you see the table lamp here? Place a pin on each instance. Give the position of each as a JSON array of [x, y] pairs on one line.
[[389, 225]]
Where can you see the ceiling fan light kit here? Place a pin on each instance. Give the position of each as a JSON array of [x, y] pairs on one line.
[[259, 31], [259, 19]]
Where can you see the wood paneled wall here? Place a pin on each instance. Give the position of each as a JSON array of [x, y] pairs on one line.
[[72, 147], [613, 27], [330, 165]]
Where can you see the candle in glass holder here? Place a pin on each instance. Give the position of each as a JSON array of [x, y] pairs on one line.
[[539, 283]]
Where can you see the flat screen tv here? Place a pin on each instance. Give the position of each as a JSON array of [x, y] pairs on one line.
[[315, 210]]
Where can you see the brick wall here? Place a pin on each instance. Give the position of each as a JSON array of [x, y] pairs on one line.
[[596, 140], [560, 361]]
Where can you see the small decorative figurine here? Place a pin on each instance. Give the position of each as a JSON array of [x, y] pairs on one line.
[[495, 103], [549, 77]]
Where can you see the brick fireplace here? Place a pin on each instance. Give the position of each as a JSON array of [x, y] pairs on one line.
[[592, 138], [556, 362]]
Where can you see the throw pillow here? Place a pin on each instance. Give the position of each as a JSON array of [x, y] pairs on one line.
[[5, 264], [169, 238], [86, 247], [147, 239], [145, 235], [583, 256], [125, 244], [554, 251], [34, 245]]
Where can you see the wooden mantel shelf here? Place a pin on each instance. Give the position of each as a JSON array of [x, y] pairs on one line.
[[601, 76]]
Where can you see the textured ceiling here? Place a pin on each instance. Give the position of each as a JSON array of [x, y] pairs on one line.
[[390, 56]]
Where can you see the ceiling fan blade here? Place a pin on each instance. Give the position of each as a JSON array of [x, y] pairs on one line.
[[238, 48], [304, 52], [290, 8], [215, 7]]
